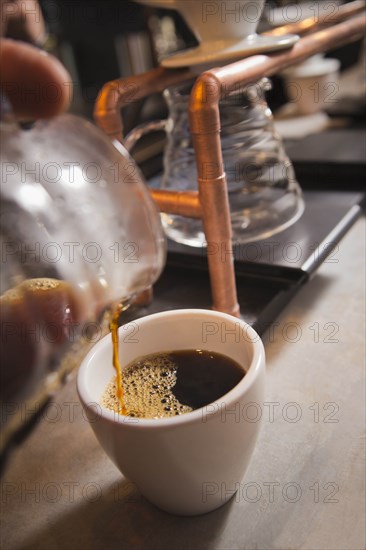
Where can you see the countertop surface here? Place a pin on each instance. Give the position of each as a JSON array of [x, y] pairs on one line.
[[305, 486]]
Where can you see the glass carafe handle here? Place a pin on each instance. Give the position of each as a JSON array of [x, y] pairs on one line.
[[133, 137]]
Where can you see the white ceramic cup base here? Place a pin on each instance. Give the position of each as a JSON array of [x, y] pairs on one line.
[[192, 463]]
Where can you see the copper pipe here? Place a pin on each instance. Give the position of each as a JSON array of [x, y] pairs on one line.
[[205, 126], [254, 68], [118, 93], [179, 203], [303, 26]]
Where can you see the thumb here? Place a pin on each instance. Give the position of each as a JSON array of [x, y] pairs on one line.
[[36, 83]]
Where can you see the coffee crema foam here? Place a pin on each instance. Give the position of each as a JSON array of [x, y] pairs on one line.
[[147, 389]]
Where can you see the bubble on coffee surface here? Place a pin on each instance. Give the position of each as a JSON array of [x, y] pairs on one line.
[[11, 295], [42, 284], [147, 389]]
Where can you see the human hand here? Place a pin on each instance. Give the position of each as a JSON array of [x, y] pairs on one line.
[[36, 83]]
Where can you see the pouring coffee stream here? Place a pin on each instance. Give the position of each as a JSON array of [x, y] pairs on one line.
[[113, 327]]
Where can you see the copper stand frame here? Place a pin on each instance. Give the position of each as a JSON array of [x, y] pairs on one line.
[[211, 201]]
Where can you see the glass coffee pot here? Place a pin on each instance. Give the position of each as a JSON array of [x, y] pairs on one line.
[[79, 233], [264, 195]]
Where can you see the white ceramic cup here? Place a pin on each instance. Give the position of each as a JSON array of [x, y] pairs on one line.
[[216, 20], [192, 463], [312, 84], [222, 19]]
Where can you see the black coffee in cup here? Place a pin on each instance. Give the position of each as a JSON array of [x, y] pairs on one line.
[[167, 384]]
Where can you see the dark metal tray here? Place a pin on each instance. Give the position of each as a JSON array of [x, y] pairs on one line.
[[268, 272]]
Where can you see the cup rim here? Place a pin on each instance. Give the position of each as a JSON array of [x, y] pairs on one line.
[[253, 371]]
